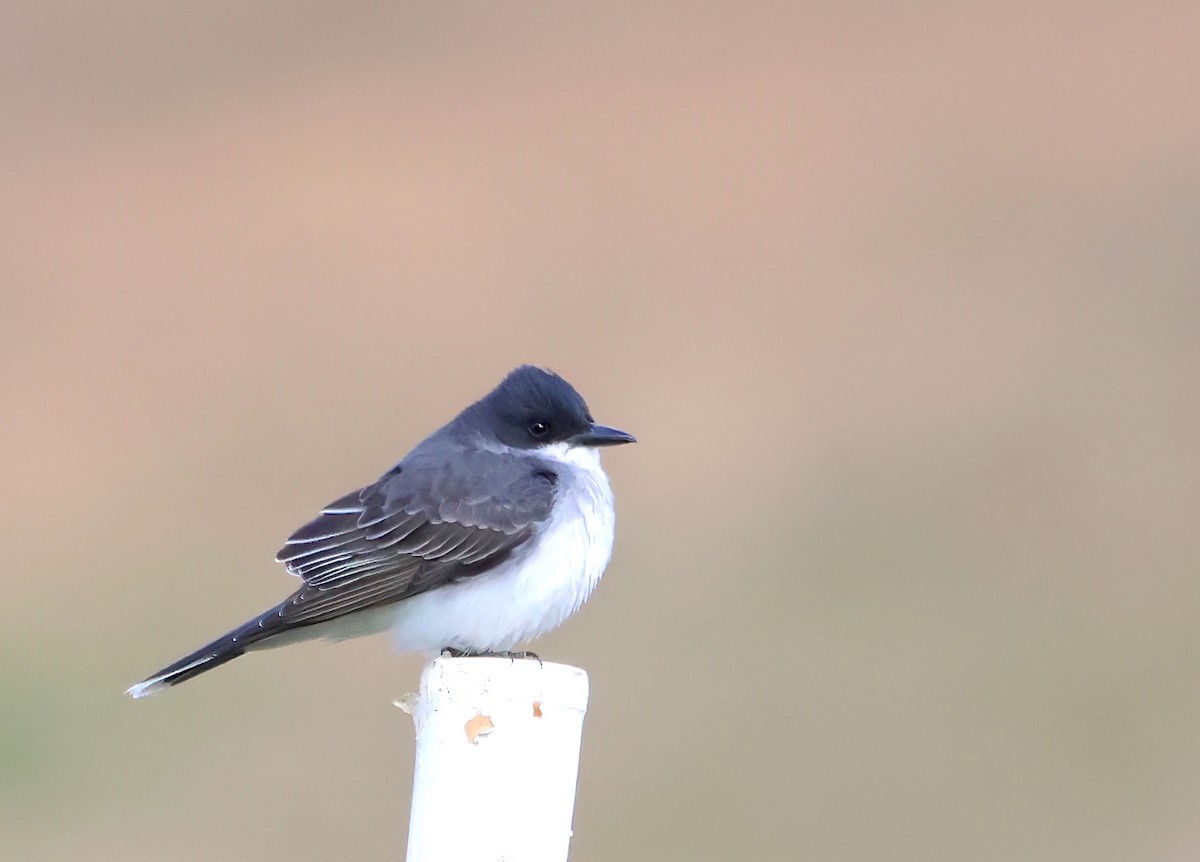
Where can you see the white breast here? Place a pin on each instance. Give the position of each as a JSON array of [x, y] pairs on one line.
[[537, 588]]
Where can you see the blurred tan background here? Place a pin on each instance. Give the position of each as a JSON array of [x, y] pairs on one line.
[[902, 300]]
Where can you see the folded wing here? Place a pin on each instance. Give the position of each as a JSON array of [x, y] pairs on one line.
[[424, 524]]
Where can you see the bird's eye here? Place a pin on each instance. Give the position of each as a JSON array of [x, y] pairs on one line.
[[539, 429]]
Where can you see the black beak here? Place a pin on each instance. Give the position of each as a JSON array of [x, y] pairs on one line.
[[602, 435]]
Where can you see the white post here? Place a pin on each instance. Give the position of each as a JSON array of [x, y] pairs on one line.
[[497, 760]]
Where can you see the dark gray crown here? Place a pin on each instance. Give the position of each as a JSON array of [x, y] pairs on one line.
[[532, 407]]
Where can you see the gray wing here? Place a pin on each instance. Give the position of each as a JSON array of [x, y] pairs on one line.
[[425, 523]]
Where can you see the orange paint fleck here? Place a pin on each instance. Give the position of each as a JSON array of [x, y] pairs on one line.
[[480, 725]]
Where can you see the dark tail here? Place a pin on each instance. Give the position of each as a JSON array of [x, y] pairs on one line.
[[225, 648]]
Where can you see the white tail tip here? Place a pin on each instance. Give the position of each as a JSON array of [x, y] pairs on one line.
[[145, 689]]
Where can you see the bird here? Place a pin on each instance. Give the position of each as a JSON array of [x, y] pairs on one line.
[[488, 534]]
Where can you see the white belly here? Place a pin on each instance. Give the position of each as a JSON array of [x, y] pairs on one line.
[[533, 591]]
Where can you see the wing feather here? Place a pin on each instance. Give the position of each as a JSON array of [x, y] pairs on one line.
[[425, 523]]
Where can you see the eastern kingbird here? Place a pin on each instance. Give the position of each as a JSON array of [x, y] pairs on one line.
[[491, 532]]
